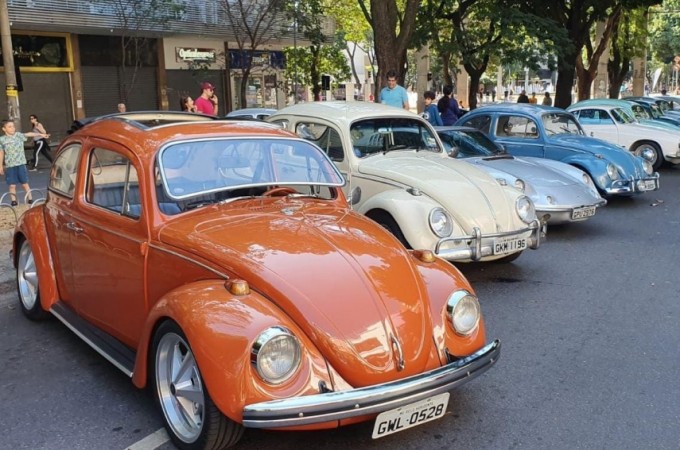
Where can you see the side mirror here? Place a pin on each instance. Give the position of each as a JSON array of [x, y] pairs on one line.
[[453, 151], [355, 196]]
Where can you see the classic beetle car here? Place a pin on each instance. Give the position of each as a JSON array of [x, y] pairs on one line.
[[400, 176], [219, 263], [553, 133], [614, 125], [561, 193]]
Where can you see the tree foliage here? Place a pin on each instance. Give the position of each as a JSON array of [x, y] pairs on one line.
[[628, 41]]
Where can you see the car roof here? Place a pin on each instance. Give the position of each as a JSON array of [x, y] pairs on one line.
[[147, 131], [342, 111], [527, 108], [455, 128]]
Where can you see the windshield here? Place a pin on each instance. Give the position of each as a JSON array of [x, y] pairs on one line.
[[559, 123], [374, 136], [195, 168], [469, 143], [640, 112], [656, 111]]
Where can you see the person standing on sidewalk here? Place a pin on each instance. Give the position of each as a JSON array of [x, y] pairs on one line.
[[40, 144], [13, 159], [206, 103], [393, 94]]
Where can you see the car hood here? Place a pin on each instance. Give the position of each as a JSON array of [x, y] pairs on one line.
[[347, 283], [470, 195], [529, 170], [619, 156]]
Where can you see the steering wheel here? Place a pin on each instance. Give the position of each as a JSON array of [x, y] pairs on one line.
[[279, 191]]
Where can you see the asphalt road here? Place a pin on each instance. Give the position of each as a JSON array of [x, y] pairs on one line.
[[590, 360]]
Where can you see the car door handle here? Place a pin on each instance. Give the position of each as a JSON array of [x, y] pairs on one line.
[[73, 227]]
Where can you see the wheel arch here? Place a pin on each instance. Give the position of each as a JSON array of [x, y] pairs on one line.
[[220, 328]]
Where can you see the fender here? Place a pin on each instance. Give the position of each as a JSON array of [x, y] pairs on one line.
[[221, 328], [442, 278], [596, 168], [31, 226], [412, 217]]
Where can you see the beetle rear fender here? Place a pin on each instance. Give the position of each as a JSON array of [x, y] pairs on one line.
[[221, 328], [408, 211], [31, 227]]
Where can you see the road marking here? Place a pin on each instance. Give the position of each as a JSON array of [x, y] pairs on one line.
[[152, 441]]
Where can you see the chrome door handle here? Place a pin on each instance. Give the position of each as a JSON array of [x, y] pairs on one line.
[[73, 227]]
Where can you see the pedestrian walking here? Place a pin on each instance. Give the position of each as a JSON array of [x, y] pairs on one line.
[[187, 104], [547, 101], [40, 144], [13, 159], [206, 103], [431, 113], [448, 107], [393, 94], [523, 97]]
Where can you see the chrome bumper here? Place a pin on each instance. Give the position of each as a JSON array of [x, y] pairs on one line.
[[333, 406], [476, 251], [630, 186]]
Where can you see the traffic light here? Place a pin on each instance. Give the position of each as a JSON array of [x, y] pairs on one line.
[[325, 82]]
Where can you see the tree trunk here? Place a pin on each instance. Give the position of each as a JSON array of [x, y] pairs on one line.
[[565, 81], [475, 74], [584, 79], [245, 76], [314, 74], [446, 68]]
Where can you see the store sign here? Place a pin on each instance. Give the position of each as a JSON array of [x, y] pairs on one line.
[[41, 52], [184, 54], [259, 59]]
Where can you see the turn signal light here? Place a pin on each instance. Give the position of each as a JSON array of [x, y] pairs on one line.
[[426, 256], [238, 287]]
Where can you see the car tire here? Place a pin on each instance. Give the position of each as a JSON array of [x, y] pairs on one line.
[[647, 145], [508, 259], [192, 423], [27, 283], [386, 221]]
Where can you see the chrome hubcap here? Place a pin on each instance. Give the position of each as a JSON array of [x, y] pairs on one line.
[[27, 277], [180, 390]]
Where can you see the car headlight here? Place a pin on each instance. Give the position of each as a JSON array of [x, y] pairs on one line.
[[647, 166], [440, 222], [276, 355], [525, 209], [612, 172], [464, 312], [519, 184]]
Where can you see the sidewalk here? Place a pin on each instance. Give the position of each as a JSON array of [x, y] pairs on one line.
[[38, 183]]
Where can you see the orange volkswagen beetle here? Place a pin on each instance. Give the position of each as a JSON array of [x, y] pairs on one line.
[[218, 262]]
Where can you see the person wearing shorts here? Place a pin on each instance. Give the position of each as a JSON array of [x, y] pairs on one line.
[[13, 159]]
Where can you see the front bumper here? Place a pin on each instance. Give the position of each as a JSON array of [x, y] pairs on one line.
[[333, 406], [632, 186], [563, 214], [473, 247]]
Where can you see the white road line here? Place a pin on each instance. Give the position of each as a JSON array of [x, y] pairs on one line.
[[152, 441]]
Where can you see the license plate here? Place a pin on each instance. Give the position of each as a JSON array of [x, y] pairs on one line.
[[649, 185], [504, 246], [582, 213], [409, 416]]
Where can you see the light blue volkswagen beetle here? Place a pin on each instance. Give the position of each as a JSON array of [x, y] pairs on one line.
[[553, 133]]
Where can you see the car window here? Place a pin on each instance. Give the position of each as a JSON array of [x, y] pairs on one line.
[[481, 122], [469, 143], [191, 169], [112, 183], [656, 111], [516, 127], [622, 116], [640, 112], [64, 171], [373, 136], [560, 123], [593, 116], [324, 136]]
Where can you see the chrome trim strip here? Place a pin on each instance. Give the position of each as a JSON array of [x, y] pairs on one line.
[[333, 406], [193, 261], [91, 344]]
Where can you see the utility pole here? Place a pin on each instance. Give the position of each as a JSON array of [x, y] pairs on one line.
[[13, 112]]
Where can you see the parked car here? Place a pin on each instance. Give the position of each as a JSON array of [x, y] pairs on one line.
[[251, 113], [656, 111], [614, 125], [400, 176], [561, 193], [553, 133], [644, 112], [219, 264], [664, 102]]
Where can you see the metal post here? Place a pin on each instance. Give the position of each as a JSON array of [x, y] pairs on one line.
[[295, 73], [8, 62]]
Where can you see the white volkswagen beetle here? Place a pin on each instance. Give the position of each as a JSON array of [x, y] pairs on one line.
[[399, 175]]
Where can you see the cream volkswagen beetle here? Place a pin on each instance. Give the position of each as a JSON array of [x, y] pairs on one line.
[[399, 175]]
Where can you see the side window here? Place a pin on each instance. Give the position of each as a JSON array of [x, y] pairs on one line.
[[594, 117], [482, 123], [516, 127], [63, 174], [112, 183], [324, 136]]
